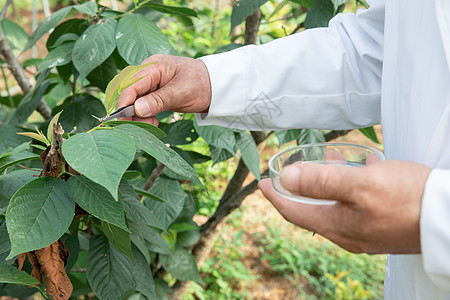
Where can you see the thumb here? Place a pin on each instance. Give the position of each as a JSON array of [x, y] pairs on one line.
[[320, 181], [152, 103]]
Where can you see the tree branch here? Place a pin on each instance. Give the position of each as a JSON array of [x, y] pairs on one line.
[[335, 134], [18, 71], [155, 174], [252, 26], [5, 7]]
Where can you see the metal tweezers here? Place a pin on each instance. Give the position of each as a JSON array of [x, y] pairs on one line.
[[123, 112]]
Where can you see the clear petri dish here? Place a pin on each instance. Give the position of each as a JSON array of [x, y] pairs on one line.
[[331, 154]]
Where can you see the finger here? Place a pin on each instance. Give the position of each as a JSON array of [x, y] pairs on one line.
[[151, 77], [321, 181], [334, 157], [372, 158], [311, 217], [152, 120], [153, 103]]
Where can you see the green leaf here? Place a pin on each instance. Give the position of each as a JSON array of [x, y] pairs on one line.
[[118, 237], [16, 158], [149, 127], [219, 154], [138, 38], [103, 74], [188, 238], [242, 9], [12, 101], [147, 194], [60, 56], [228, 47], [173, 195], [304, 3], [180, 133], [162, 289], [157, 149], [72, 26], [173, 10], [88, 8], [11, 182], [46, 25], [68, 37], [52, 124], [285, 136], [183, 227], [32, 62], [96, 200], [142, 275], [134, 209], [311, 136], [249, 152], [31, 100], [338, 3], [370, 133], [153, 240], [197, 158], [10, 274], [9, 138], [181, 264], [80, 112], [5, 244], [94, 46], [109, 272], [120, 82], [102, 156], [38, 214], [219, 137], [73, 245], [320, 14], [16, 36]]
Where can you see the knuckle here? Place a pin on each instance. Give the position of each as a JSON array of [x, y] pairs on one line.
[[160, 99]]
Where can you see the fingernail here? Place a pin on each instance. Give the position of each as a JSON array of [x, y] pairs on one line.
[[142, 108], [290, 178]]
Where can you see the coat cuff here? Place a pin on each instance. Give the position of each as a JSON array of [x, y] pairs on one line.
[[435, 228], [223, 86]]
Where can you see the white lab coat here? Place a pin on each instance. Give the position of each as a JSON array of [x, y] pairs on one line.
[[389, 64]]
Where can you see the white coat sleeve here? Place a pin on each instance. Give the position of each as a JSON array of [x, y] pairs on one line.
[[435, 229], [325, 78]]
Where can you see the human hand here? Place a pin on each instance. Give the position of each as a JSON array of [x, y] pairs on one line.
[[377, 210], [173, 83]]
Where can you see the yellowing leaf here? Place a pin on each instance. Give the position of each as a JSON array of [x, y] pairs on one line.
[[33, 135], [120, 82], [51, 125]]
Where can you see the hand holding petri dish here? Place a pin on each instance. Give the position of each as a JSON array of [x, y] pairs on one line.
[[333, 154]]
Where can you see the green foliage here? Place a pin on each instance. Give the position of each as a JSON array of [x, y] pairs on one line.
[[108, 153], [38, 214], [96, 200], [138, 38], [330, 270], [9, 274], [370, 133], [109, 272], [94, 46], [242, 9]]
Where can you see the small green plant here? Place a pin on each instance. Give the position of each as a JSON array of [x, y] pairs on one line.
[[331, 271], [224, 273]]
